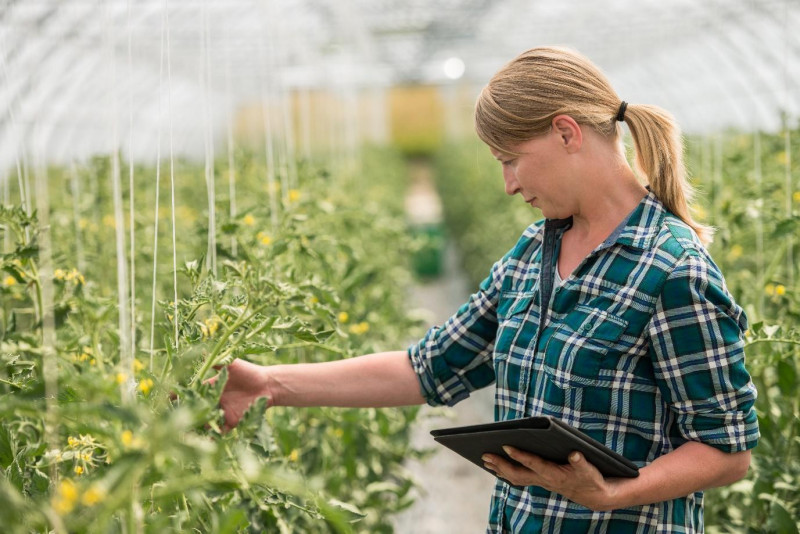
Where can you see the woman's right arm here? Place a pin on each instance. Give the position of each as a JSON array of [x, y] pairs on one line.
[[373, 380]]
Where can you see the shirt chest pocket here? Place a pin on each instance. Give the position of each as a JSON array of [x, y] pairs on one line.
[[511, 314], [574, 353]]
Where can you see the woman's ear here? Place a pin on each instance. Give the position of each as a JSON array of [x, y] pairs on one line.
[[569, 132]]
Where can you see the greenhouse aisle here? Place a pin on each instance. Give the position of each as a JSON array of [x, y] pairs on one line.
[[452, 494]]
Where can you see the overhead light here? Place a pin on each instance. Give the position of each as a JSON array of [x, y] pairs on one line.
[[454, 68]]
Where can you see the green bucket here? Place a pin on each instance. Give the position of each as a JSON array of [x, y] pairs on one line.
[[428, 261]]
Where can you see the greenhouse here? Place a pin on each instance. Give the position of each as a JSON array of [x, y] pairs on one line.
[[252, 253]]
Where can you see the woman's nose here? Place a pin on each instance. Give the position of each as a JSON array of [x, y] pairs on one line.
[[512, 186]]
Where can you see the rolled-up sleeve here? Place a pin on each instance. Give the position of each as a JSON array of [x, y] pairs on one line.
[[455, 358], [697, 350]]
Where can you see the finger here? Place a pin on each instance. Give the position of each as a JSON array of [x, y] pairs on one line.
[[489, 462], [508, 471], [497, 461], [211, 381], [582, 466], [531, 461]]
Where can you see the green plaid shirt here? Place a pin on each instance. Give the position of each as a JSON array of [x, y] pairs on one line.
[[641, 348]]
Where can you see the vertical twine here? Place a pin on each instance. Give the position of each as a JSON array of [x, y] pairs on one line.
[[126, 358], [231, 169], [158, 186], [759, 222], [205, 72]]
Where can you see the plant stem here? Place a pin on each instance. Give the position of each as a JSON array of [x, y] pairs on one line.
[[213, 357]]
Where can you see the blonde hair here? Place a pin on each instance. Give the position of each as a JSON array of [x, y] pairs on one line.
[[521, 100]]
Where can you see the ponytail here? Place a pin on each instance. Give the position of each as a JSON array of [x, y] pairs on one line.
[[659, 157]]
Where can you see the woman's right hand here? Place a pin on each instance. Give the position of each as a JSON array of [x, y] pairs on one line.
[[246, 383]]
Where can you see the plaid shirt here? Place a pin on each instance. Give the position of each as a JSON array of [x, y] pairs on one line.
[[641, 349]]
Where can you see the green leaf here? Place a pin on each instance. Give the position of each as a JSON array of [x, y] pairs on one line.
[[28, 252], [780, 520], [305, 335], [787, 377], [253, 418], [39, 483], [6, 448], [786, 227], [233, 521], [354, 513]]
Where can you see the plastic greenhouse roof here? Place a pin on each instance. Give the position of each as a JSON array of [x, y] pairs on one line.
[[80, 76]]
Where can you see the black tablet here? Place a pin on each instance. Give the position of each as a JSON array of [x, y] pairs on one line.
[[548, 437]]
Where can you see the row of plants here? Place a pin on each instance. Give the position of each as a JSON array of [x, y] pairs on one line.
[[745, 194], [100, 444]]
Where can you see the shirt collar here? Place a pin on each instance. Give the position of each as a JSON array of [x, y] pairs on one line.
[[643, 224], [638, 230]]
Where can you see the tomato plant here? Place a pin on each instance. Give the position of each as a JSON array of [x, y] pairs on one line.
[[139, 447]]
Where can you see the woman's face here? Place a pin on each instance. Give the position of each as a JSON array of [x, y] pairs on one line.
[[539, 174]]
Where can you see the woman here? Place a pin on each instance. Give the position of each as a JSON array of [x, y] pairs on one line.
[[609, 315]]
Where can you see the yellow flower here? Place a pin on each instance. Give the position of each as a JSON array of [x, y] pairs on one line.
[[294, 195], [72, 442], [110, 221], [343, 317], [338, 432], [770, 289], [84, 357], [360, 328], [781, 157], [294, 455], [249, 220], [78, 470], [263, 238], [146, 385], [9, 281], [137, 365], [93, 495], [120, 378], [313, 300], [65, 498], [127, 438], [86, 457], [59, 274], [212, 325], [796, 196], [699, 211], [780, 290], [735, 252]]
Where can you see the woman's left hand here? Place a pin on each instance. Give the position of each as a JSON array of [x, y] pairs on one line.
[[579, 481]]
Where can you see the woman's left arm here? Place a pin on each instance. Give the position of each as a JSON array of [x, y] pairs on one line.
[[693, 466]]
